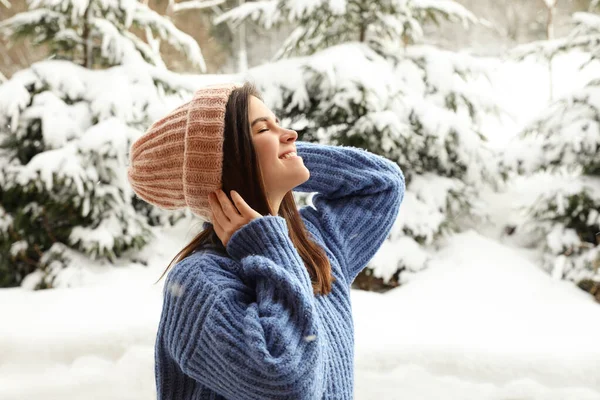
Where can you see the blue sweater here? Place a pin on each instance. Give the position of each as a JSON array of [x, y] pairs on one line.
[[246, 325]]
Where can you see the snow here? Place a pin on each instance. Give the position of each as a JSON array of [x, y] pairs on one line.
[[353, 74], [433, 191], [264, 12], [522, 90], [118, 48], [406, 107], [193, 5], [482, 322], [110, 20], [476, 316], [592, 21], [550, 3], [269, 12], [186, 44], [324, 23], [69, 128], [570, 131], [448, 8]]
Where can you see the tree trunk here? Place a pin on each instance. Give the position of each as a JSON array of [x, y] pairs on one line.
[[551, 7], [363, 29], [550, 22], [87, 40], [242, 54]]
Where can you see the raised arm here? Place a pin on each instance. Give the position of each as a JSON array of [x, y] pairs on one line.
[[259, 345], [357, 201]]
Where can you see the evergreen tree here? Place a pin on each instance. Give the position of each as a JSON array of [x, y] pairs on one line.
[[417, 105], [66, 125], [324, 23], [563, 145], [94, 33]]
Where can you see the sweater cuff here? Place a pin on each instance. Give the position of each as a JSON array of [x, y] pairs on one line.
[[267, 236]]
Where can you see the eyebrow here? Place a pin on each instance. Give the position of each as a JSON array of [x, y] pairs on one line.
[[259, 119]]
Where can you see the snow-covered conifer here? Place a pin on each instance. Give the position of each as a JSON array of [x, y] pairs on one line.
[[415, 104], [66, 125], [324, 23], [563, 145]]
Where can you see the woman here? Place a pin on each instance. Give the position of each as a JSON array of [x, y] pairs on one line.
[[257, 306]]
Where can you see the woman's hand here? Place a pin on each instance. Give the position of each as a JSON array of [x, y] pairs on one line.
[[226, 217]]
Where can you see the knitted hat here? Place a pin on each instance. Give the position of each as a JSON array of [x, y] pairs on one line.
[[178, 161]]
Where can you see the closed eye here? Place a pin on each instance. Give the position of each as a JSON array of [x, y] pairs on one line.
[[277, 122]]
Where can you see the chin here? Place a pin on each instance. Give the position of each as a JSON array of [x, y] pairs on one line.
[[298, 180], [303, 176]]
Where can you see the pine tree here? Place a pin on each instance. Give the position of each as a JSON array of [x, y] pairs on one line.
[[417, 105], [66, 125], [96, 33], [325, 23], [563, 145]]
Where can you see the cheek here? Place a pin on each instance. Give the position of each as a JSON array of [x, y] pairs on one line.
[[267, 149]]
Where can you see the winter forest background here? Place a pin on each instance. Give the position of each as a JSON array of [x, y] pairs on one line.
[[488, 285]]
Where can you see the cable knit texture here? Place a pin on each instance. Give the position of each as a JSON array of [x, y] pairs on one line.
[[179, 160], [246, 325]]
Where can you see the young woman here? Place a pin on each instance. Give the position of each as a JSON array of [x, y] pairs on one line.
[[257, 306]]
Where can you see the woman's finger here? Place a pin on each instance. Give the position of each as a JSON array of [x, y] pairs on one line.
[[216, 209], [227, 206]]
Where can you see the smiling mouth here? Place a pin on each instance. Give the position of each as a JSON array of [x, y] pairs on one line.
[[289, 155]]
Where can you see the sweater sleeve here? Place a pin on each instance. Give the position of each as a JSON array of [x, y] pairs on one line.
[[358, 198], [252, 344]]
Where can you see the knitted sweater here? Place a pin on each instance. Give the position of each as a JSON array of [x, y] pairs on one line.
[[246, 325]]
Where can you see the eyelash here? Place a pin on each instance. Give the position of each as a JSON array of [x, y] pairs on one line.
[[266, 129]]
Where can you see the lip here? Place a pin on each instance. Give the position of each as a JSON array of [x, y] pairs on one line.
[[290, 158], [289, 151]]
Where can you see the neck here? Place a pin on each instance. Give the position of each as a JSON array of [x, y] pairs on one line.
[[275, 203]]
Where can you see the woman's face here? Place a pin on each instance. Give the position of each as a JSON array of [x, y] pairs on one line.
[[271, 141]]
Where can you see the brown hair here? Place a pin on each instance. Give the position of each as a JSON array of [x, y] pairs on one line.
[[241, 172]]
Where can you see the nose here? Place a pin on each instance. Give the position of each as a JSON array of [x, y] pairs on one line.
[[289, 135]]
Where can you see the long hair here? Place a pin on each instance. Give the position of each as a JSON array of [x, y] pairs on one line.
[[241, 172]]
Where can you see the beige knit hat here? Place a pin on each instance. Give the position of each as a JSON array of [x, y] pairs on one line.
[[178, 161]]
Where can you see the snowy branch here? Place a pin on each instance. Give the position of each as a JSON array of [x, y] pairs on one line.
[[449, 9], [588, 20], [193, 5], [144, 16], [32, 18], [548, 49], [264, 12]]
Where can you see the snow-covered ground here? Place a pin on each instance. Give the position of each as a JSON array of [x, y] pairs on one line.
[[483, 322]]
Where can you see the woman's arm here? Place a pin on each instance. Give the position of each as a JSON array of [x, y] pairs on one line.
[[359, 195], [263, 345]]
